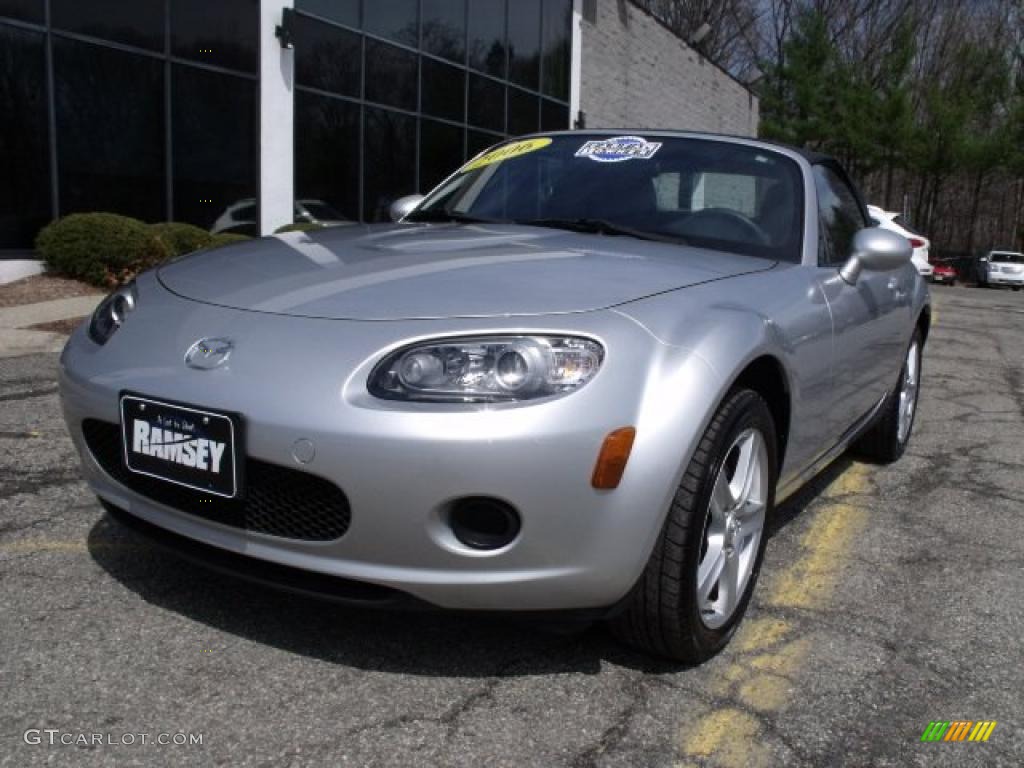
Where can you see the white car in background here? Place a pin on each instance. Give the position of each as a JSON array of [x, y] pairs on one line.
[[240, 218], [1005, 268], [897, 222]]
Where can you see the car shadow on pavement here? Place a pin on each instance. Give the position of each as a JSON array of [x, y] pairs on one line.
[[418, 643], [791, 508]]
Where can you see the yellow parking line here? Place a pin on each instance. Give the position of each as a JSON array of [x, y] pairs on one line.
[[761, 677], [728, 735], [809, 581]]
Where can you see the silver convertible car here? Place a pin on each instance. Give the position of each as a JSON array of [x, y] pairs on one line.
[[576, 378]]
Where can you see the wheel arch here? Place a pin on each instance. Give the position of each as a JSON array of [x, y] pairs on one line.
[[767, 376], [924, 322]]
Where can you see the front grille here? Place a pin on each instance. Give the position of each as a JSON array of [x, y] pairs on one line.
[[279, 501]]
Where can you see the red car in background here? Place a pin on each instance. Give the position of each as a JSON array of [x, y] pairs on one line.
[[943, 273]]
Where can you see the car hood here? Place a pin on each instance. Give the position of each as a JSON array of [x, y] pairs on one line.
[[422, 271]]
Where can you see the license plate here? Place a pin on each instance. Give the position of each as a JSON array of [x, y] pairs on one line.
[[180, 444]]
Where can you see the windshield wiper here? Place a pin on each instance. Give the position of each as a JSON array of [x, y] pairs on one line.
[[601, 227], [441, 215]]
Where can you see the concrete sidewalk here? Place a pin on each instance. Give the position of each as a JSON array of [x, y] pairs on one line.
[[16, 340]]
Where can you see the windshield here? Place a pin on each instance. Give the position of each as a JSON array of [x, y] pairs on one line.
[[1007, 258], [703, 192]]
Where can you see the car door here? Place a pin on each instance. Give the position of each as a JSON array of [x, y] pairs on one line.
[[869, 318]]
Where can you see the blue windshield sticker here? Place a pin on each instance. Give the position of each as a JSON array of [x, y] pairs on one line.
[[618, 149]]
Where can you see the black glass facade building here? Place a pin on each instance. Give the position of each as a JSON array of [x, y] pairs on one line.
[[392, 95], [142, 107], [151, 108]]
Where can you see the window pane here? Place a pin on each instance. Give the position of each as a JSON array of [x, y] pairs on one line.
[[110, 130], [444, 28], [524, 43], [214, 147], [224, 33], [327, 57], [139, 22], [395, 19], [557, 47], [444, 90], [327, 152], [440, 152], [343, 11], [523, 112], [24, 158], [554, 116], [389, 142], [26, 10], [486, 103], [390, 75], [487, 36], [840, 214]]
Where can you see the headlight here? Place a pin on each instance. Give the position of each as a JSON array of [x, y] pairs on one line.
[[487, 369], [111, 313]]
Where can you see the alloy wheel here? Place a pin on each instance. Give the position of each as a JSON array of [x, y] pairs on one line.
[[908, 392], [733, 528]]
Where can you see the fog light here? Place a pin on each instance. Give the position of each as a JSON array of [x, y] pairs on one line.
[[484, 523]]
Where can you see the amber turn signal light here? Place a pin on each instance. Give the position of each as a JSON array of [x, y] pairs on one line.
[[611, 461]]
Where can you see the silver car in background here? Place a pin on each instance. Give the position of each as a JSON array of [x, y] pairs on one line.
[[577, 376]]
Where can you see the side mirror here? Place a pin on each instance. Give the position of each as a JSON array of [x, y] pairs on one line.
[[877, 250], [403, 206]]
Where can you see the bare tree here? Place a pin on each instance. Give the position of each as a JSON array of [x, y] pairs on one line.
[[730, 38]]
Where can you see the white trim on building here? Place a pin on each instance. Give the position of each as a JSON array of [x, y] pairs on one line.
[[576, 63], [277, 119]]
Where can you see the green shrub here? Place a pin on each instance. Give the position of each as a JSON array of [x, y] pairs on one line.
[[299, 226], [181, 238], [101, 248], [228, 238]]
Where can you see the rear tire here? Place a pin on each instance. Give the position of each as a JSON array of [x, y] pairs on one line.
[[705, 546], [887, 439]]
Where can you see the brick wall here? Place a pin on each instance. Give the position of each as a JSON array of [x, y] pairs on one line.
[[638, 74]]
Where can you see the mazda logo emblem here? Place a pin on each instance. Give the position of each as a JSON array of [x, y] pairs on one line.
[[206, 354]]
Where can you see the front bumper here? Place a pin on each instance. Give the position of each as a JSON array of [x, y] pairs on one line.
[[400, 464]]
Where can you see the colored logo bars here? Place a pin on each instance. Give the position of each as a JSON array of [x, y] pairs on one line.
[[958, 730]]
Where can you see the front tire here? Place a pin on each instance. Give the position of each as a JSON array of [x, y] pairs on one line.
[[887, 439], [700, 576]]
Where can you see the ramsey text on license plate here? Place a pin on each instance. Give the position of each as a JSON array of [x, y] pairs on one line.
[[179, 444]]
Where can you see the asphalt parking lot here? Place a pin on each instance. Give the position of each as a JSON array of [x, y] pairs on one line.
[[891, 597]]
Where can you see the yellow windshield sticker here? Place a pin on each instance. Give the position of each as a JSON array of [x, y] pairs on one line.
[[506, 152]]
